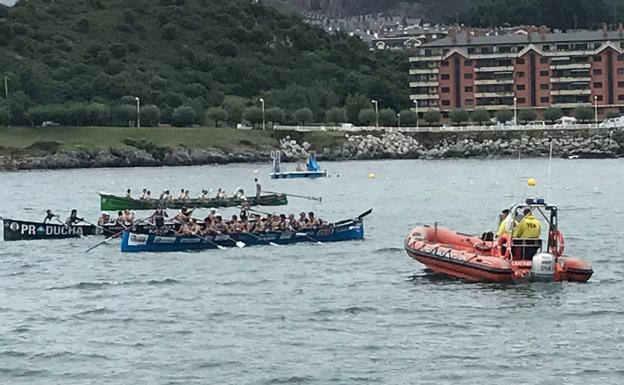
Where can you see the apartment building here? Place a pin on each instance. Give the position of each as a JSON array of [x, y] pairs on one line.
[[534, 68]]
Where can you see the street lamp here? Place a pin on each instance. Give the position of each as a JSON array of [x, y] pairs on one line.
[[416, 104], [138, 111], [263, 121], [6, 86], [515, 111], [596, 109], [376, 113], [399, 119]]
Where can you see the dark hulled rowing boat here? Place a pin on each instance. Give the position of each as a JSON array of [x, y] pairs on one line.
[[345, 230], [109, 202]]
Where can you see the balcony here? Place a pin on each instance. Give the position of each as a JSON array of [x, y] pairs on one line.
[[424, 96], [425, 58], [494, 69], [570, 66], [424, 84], [493, 81], [571, 105], [570, 79], [421, 71], [584, 91], [497, 94]]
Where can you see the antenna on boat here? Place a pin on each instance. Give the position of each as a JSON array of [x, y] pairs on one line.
[[515, 195], [549, 170]]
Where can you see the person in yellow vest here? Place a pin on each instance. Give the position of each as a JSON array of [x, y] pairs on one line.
[[528, 227], [504, 227]]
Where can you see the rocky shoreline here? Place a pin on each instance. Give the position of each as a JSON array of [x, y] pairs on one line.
[[398, 145], [378, 145]]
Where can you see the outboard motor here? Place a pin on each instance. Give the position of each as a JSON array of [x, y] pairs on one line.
[[543, 267]]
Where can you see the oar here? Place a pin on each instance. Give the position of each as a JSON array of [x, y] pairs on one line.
[[319, 199], [239, 244], [105, 230], [114, 235], [356, 219], [309, 237]]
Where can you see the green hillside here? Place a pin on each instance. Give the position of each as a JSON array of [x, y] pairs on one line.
[[80, 61]]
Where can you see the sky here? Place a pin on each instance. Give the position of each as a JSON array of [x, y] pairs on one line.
[[7, 2]]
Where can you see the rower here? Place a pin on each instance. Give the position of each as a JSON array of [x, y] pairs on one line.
[[204, 195], [183, 216], [219, 226], [103, 219], [158, 220], [195, 228], [148, 195], [73, 218], [182, 196], [292, 223], [129, 194], [184, 229], [258, 188], [128, 217], [49, 216], [143, 194], [120, 219]]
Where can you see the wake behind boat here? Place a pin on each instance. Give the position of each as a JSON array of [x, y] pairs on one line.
[[345, 230]]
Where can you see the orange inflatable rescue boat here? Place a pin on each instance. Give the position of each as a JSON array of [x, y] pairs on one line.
[[506, 259]]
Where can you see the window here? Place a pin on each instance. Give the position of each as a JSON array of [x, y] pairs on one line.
[[599, 98], [597, 58], [446, 89], [620, 71], [521, 100], [467, 63], [546, 47], [446, 102], [544, 60], [520, 87], [597, 85], [469, 89], [544, 99], [620, 84], [543, 73], [544, 86], [620, 57], [445, 63], [467, 76], [519, 74], [445, 77], [520, 61], [620, 97], [469, 102], [597, 72]]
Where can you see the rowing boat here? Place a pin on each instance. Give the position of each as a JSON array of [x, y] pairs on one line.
[[109, 202], [18, 230], [345, 230]]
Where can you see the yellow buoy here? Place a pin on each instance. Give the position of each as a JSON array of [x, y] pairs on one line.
[[531, 182], [371, 175]]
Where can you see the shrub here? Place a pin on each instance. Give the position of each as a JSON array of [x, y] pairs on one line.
[[303, 115], [459, 116], [336, 115], [183, 116]]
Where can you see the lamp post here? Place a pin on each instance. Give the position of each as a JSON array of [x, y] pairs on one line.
[[596, 109], [138, 111], [515, 111], [416, 105], [376, 112], [399, 119], [263, 120], [6, 86]]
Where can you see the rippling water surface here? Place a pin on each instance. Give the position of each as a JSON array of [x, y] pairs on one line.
[[343, 313]]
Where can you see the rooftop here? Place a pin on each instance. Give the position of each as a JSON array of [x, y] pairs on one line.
[[536, 37]]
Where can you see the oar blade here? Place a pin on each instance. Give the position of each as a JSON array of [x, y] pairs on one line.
[[240, 244]]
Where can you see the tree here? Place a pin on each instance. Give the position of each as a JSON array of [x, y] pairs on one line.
[[253, 115], [150, 115], [503, 116], [458, 116], [612, 114], [584, 114], [275, 115], [217, 114], [235, 107], [336, 115], [169, 31], [367, 117], [303, 115], [387, 117], [83, 25], [408, 118], [526, 115], [5, 115], [125, 114], [552, 114], [354, 104], [183, 116], [432, 117], [480, 116]]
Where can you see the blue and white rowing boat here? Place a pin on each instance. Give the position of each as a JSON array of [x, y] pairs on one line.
[[313, 170], [345, 230]]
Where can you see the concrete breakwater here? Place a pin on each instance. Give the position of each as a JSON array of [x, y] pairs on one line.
[[399, 145]]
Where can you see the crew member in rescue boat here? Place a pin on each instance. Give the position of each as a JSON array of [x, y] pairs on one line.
[[505, 224], [529, 227]]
